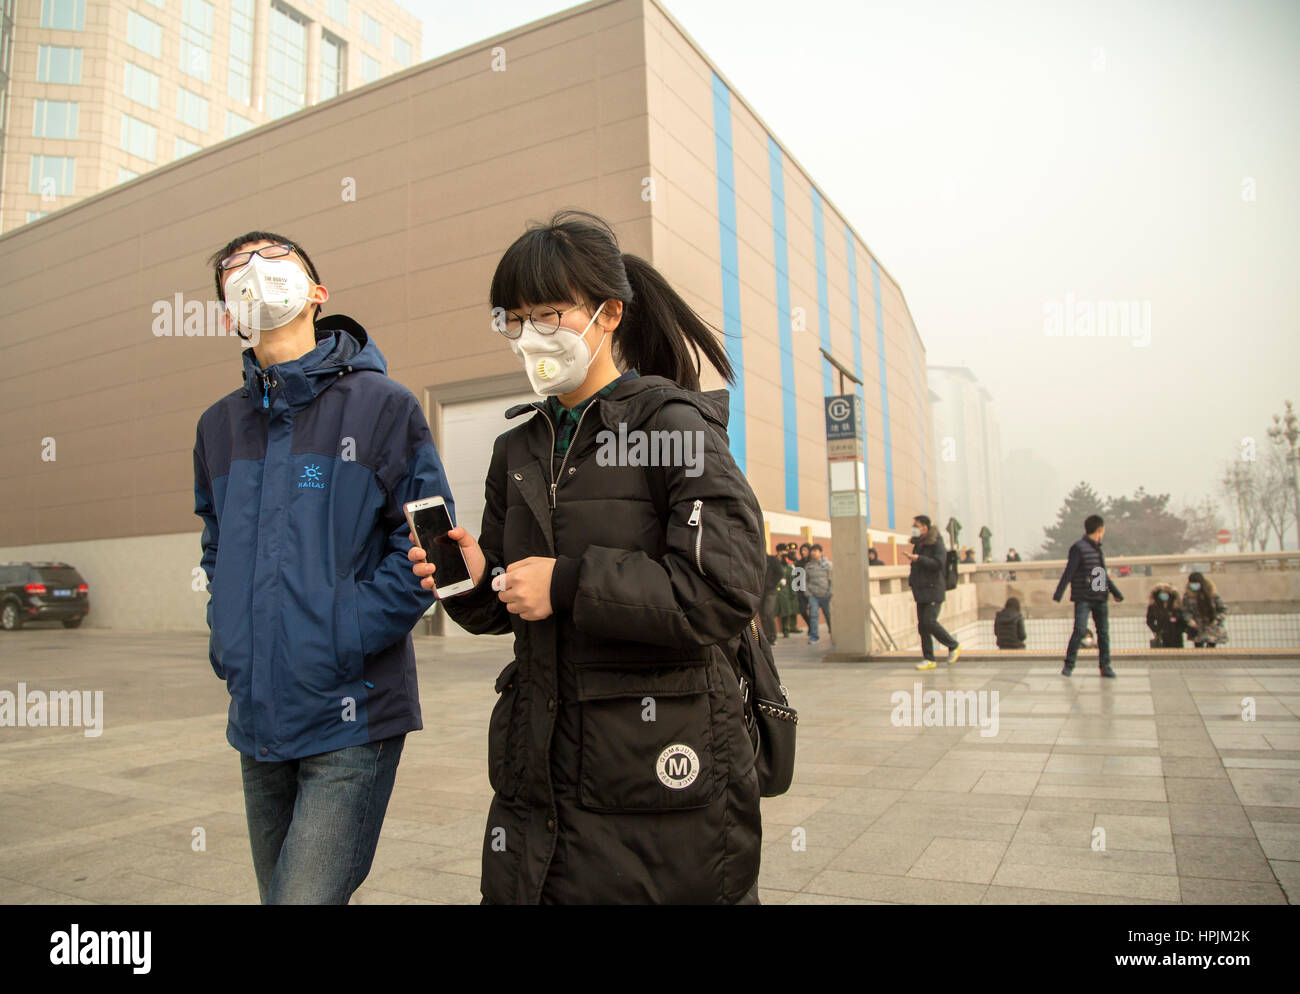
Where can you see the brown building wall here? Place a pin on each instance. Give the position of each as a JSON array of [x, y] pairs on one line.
[[447, 162]]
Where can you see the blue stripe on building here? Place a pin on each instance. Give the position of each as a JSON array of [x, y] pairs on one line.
[[856, 321], [823, 294], [884, 394], [781, 259], [921, 399], [728, 243]]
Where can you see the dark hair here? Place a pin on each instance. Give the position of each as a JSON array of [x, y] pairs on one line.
[[1201, 598], [803, 546], [260, 236], [922, 518], [817, 547], [1092, 523], [575, 256], [1013, 604]]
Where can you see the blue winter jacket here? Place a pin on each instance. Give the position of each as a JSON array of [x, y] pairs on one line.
[[300, 478]]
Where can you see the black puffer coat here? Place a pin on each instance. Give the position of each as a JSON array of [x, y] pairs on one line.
[[618, 755], [926, 577]]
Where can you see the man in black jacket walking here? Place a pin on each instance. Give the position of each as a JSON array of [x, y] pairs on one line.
[[929, 589], [1090, 588]]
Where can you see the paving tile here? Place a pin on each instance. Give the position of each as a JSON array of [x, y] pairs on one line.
[[965, 860], [1221, 858], [1122, 886], [1227, 820], [1199, 890], [1288, 875]]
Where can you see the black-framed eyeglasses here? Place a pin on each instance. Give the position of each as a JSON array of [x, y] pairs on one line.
[[544, 319], [266, 252]]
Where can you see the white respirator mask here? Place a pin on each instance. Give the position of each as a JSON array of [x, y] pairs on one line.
[[267, 293], [556, 363]]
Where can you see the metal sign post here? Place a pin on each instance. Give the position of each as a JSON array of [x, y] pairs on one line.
[[846, 472]]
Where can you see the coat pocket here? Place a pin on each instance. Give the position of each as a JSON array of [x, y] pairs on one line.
[[348, 652], [647, 739], [501, 734]]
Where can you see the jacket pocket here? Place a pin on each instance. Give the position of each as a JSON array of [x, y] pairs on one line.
[[647, 739], [501, 734], [348, 654]]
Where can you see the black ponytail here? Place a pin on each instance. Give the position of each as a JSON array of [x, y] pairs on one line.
[[575, 256]]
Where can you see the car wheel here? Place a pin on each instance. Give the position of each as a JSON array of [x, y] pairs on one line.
[[72, 623], [10, 619]]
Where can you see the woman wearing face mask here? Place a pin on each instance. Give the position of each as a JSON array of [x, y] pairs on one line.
[[618, 753], [929, 589], [1165, 617], [1204, 611]]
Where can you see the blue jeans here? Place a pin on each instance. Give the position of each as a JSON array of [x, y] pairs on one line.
[[1099, 617], [817, 605], [314, 822]]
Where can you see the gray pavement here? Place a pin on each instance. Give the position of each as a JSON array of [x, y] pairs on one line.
[[1151, 788]]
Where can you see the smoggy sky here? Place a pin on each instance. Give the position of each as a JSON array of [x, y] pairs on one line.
[[1000, 156]]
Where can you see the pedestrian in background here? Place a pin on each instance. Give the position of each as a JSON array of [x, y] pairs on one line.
[[1090, 588], [873, 559], [1204, 611], [771, 581], [801, 588], [1009, 626], [926, 578], [1165, 617], [787, 602], [818, 576]]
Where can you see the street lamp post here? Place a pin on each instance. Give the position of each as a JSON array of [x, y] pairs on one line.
[[1286, 431]]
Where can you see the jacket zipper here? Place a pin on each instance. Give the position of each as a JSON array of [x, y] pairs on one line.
[[694, 522], [572, 441], [267, 383]]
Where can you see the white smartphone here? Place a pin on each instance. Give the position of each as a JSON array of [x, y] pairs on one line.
[[430, 522]]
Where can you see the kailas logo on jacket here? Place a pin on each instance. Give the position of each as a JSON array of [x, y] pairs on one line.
[[313, 478], [677, 766]]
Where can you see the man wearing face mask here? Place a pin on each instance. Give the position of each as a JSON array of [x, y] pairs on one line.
[[300, 478], [929, 589]]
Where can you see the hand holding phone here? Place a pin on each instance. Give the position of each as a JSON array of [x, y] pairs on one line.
[[444, 546]]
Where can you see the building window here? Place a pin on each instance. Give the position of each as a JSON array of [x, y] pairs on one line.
[[236, 124], [286, 76], [124, 174], [240, 79], [370, 29], [58, 64], [369, 68], [339, 11], [333, 70], [184, 148], [53, 175], [55, 119], [66, 15], [143, 34], [140, 85], [139, 138], [401, 51], [196, 39], [33, 215], [191, 109]]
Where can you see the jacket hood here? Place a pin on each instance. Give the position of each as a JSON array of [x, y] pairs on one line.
[[635, 401], [1167, 588], [342, 346]]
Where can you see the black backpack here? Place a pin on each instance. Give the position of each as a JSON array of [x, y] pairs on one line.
[[769, 719]]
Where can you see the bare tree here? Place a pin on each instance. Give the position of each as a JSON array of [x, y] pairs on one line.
[[1274, 496], [1239, 484]]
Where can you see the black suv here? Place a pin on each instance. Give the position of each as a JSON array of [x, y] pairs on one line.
[[41, 592]]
